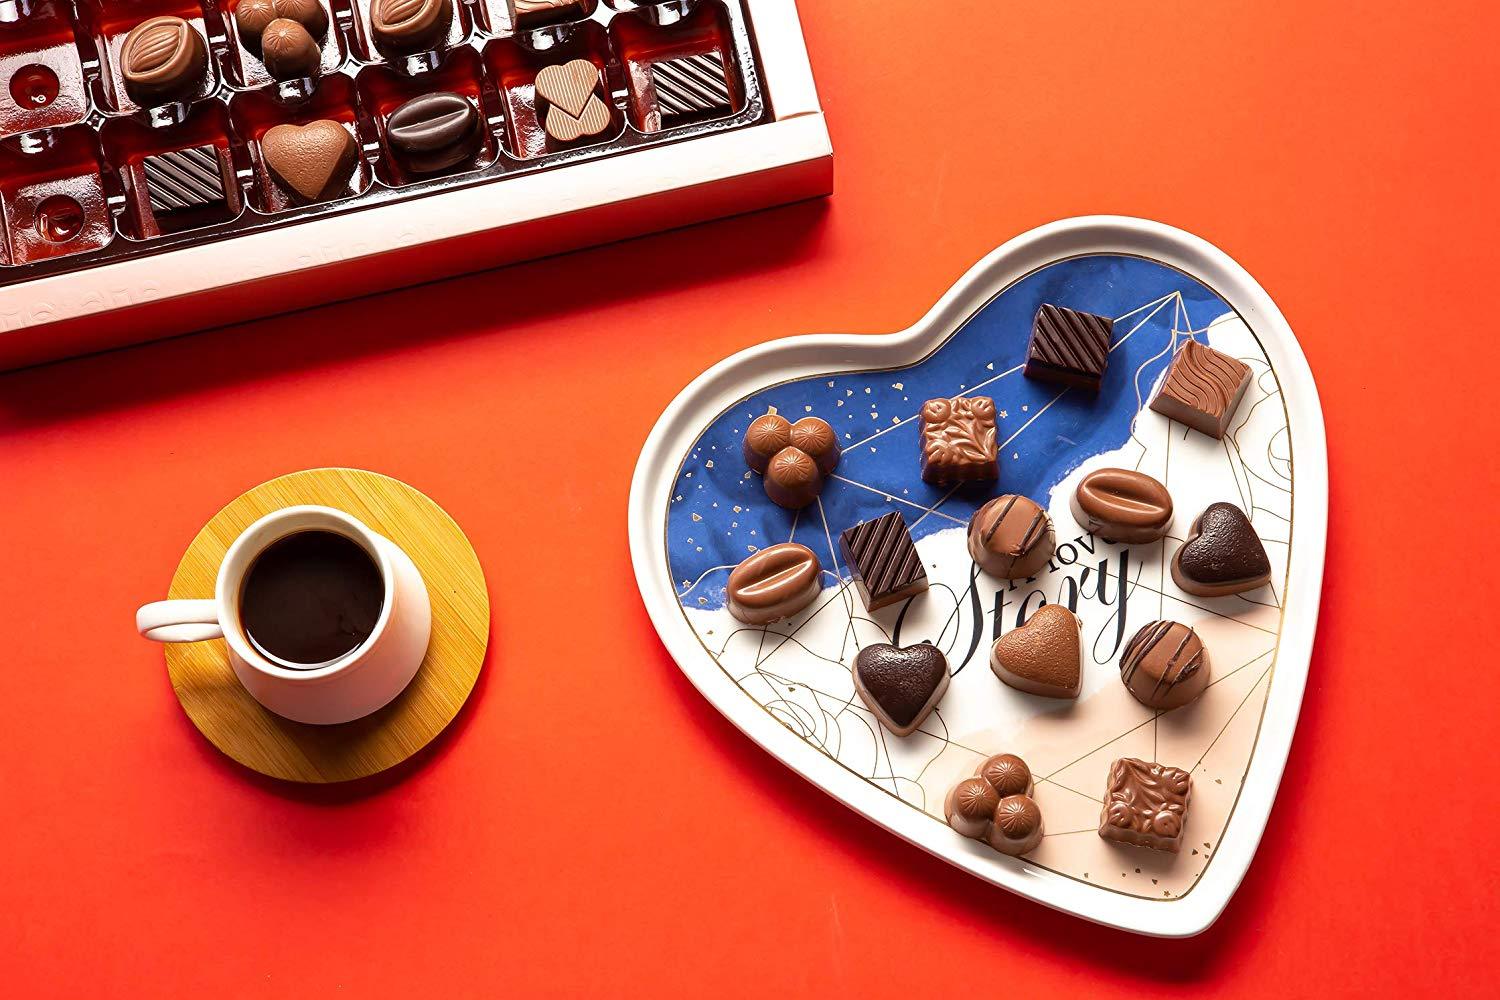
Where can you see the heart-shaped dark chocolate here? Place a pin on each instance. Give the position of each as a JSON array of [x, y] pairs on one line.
[[1222, 555], [901, 685]]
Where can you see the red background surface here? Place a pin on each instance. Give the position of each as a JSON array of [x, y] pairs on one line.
[[589, 824]]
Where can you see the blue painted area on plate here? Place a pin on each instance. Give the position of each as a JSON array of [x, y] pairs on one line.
[[718, 515]]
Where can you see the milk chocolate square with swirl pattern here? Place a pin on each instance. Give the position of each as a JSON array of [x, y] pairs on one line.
[[1202, 389], [1145, 804], [958, 440]]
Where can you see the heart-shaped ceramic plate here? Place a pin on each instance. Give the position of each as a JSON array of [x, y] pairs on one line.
[[695, 512]]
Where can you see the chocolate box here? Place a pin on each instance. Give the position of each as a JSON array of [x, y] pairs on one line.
[[126, 215]]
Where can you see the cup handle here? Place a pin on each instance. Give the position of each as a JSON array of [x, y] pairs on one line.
[[179, 621]]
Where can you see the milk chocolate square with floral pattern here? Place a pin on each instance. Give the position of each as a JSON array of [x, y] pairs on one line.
[[958, 440], [1145, 804]]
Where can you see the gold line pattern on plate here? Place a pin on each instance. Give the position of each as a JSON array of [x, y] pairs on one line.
[[886, 784]]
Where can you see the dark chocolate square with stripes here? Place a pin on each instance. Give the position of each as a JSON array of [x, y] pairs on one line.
[[883, 561], [1069, 347], [185, 188], [691, 89]]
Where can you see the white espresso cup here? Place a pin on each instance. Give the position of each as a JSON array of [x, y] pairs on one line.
[[350, 687]]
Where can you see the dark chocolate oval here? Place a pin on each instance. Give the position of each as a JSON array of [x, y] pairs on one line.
[[434, 131]]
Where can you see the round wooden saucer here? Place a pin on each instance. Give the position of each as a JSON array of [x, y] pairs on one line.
[[263, 741]]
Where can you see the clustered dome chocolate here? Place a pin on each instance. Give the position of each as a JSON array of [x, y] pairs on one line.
[[1008, 773], [995, 806], [286, 34], [972, 806], [793, 459]]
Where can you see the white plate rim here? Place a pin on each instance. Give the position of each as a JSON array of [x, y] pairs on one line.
[[796, 357]]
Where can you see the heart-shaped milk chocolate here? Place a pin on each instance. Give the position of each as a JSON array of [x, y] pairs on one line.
[[1044, 656], [313, 162], [568, 86], [575, 109], [1222, 555], [565, 128], [901, 685]]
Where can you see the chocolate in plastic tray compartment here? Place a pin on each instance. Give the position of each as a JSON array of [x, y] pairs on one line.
[[54, 199], [158, 141], [40, 67]]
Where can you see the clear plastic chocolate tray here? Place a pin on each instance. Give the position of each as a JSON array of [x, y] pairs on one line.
[[80, 178], [696, 512]]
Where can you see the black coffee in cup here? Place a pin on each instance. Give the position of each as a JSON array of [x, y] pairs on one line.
[[311, 597]]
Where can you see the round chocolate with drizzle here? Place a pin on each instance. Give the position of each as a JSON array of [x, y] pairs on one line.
[[1011, 537], [1165, 665], [162, 60]]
